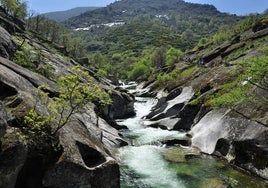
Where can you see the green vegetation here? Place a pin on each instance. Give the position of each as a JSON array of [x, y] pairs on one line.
[[25, 58], [254, 72], [55, 34], [173, 56], [76, 90], [229, 99], [35, 127], [227, 32], [168, 78], [29, 57], [187, 72], [15, 7], [147, 26], [154, 60], [175, 75], [140, 69]]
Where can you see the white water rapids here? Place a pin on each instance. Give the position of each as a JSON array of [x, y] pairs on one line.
[[144, 156], [147, 163]]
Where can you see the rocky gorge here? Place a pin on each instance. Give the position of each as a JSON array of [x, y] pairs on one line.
[[237, 131], [83, 152]]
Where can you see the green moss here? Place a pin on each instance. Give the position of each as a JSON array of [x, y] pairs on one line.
[[168, 78], [228, 99], [189, 71], [252, 72], [197, 99], [175, 75]]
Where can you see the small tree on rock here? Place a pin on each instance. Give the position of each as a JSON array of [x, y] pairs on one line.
[[75, 92]]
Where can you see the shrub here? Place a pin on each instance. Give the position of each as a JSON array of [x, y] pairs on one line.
[[173, 56], [24, 58], [254, 72], [75, 92], [140, 69]]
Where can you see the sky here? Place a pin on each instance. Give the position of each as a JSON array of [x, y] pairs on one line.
[[239, 7]]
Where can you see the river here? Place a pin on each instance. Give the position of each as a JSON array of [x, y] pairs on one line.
[[147, 163]]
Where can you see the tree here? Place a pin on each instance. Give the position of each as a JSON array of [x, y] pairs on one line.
[[173, 56], [15, 7], [21, 11], [159, 59], [10, 5], [76, 91], [140, 69]]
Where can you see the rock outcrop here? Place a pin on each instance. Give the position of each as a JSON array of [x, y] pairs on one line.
[[242, 141], [86, 146], [236, 131], [122, 105], [81, 154], [3, 120], [7, 44], [172, 111], [12, 157]]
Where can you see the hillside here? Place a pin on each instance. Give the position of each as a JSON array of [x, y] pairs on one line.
[[155, 22], [129, 28], [125, 10], [60, 16]]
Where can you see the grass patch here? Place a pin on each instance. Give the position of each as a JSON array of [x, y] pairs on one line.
[[175, 75]]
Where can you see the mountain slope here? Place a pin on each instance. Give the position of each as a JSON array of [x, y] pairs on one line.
[[125, 10], [128, 28], [182, 24], [60, 16]]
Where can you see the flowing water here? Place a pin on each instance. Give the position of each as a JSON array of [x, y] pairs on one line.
[[146, 163]]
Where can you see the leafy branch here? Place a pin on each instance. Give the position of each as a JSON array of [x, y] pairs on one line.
[[76, 90]]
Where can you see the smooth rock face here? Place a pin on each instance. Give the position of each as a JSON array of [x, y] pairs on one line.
[[171, 112], [71, 175], [165, 123], [3, 120], [208, 131], [7, 44], [245, 140], [87, 144], [84, 162], [122, 105], [12, 158], [35, 80]]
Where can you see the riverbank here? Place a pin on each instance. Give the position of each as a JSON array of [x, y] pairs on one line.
[[149, 162]]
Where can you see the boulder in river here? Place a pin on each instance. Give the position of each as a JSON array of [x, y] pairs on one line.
[[245, 140]]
